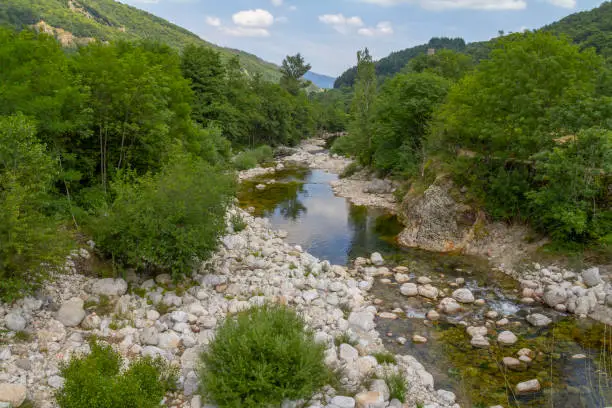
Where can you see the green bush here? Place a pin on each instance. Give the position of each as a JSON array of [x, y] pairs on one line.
[[251, 158], [30, 238], [167, 221], [261, 358], [97, 381]]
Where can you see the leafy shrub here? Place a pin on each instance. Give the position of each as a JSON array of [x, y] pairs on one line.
[[97, 381], [261, 358], [167, 221], [30, 239], [251, 158], [574, 201]]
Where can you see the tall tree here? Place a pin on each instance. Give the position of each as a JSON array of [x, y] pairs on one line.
[[293, 69], [362, 108]]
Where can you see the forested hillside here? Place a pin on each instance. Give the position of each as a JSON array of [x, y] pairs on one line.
[[588, 29], [78, 21], [394, 63]]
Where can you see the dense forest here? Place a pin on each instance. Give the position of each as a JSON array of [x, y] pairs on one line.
[[525, 133], [108, 20], [130, 144], [587, 29]]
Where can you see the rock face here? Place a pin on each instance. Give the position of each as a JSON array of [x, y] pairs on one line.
[[14, 394], [71, 313], [109, 287]]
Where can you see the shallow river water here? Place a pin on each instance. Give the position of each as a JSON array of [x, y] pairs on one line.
[[301, 202]]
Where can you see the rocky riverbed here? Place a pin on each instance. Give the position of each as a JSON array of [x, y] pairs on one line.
[[156, 317]]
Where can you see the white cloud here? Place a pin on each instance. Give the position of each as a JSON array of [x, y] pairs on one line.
[[563, 3], [213, 21], [382, 28], [341, 23], [253, 18], [462, 4], [277, 3]]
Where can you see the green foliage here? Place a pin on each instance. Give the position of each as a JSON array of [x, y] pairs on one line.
[[385, 358], [31, 241], [252, 158], [359, 140], [396, 61], [168, 220], [448, 64], [293, 70], [397, 386], [260, 358], [404, 108], [573, 199], [502, 125], [97, 381], [238, 223]]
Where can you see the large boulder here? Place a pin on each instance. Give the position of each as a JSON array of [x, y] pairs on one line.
[[71, 313], [109, 287], [554, 296], [591, 277], [14, 394]]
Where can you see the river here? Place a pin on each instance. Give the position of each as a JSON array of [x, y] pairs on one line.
[[571, 358]]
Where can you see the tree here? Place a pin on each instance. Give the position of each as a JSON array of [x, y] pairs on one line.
[[30, 240], [293, 69], [403, 110], [362, 108]]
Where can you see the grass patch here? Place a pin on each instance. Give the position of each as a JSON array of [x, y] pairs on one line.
[[385, 358], [262, 357], [397, 386]]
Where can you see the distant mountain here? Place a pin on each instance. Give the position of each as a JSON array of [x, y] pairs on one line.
[[591, 28], [75, 22], [322, 81]]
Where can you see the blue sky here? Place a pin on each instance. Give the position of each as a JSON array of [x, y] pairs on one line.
[[329, 32]]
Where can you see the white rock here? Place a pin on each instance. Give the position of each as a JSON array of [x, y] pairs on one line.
[[463, 295], [591, 277], [507, 338], [528, 387], [15, 321], [109, 287], [15, 394], [169, 340], [348, 353], [71, 313], [342, 402], [377, 259], [539, 320], [409, 289]]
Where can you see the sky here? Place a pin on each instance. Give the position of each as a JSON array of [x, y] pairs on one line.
[[328, 33]]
